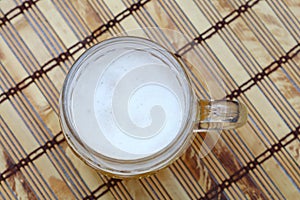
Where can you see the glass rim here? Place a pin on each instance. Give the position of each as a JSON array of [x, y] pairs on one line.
[[65, 116]]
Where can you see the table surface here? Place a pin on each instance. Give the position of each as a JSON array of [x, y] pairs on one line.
[[252, 46]]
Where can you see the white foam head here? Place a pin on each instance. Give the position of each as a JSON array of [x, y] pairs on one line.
[[130, 100]]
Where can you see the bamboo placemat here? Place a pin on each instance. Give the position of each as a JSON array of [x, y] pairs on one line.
[[252, 45]]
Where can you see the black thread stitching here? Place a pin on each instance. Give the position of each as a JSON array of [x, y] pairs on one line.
[[71, 51], [12, 169], [25, 6], [225, 21], [265, 72], [111, 183], [88, 40], [212, 193]]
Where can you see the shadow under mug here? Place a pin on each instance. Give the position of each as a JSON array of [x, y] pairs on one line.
[[128, 109]]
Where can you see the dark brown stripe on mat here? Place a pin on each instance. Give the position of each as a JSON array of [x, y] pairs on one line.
[[25, 6], [218, 26], [276, 147], [12, 169], [105, 187], [266, 72], [71, 51]]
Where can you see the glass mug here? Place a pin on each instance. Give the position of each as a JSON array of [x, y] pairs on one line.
[[128, 109]]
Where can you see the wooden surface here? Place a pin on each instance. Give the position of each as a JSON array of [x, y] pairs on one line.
[[253, 46]]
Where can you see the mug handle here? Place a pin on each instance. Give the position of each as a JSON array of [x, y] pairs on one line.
[[220, 115]]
